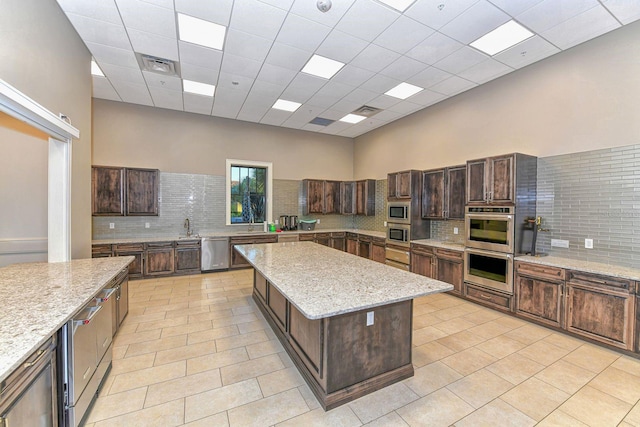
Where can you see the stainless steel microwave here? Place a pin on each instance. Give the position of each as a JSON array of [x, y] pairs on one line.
[[399, 212], [490, 228], [398, 234]]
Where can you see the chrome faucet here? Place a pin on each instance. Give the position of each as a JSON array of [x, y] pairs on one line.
[[187, 225]]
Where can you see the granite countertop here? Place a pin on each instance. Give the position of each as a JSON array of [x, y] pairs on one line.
[[586, 266], [233, 234], [440, 244], [36, 299], [323, 282]]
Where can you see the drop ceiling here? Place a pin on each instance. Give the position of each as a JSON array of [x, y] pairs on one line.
[[268, 42]]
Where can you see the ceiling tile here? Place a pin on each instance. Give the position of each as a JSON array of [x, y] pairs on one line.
[[383, 102], [199, 74], [257, 18], [113, 55], [429, 77], [302, 87], [582, 27], [164, 98], [302, 33], [305, 114], [92, 30], [437, 13], [134, 75], [105, 10], [252, 112], [460, 60], [475, 22], [218, 12], [167, 4], [197, 103], [238, 65], [434, 48], [367, 19], [228, 102], [332, 114], [625, 10], [345, 106], [515, 7], [405, 107], [102, 89], [308, 9], [426, 98], [527, 52], [341, 46], [323, 101], [235, 83], [352, 76], [275, 117], [267, 89], [147, 17], [361, 96], [388, 115], [549, 13], [485, 71], [374, 58], [133, 93], [247, 45], [333, 88], [277, 75], [313, 127], [380, 83], [336, 127], [403, 35], [153, 44], [288, 57], [162, 81], [452, 86], [404, 68]]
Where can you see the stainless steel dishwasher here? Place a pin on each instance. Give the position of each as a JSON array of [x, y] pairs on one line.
[[215, 253]]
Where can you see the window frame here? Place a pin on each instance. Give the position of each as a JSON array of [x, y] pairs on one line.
[[269, 190]]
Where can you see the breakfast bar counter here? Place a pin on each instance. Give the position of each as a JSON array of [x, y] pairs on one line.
[[345, 321]]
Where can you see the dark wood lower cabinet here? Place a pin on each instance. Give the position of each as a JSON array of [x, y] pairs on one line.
[[160, 259], [378, 252], [235, 259], [449, 268], [352, 245], [423, 260], [540, 293], [340, 357], [136, 250], [492, 298], [187, 257]]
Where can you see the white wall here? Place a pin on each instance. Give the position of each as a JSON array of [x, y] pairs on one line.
[[583, 99]]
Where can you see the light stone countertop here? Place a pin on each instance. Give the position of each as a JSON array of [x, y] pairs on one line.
[[259, 232], [323, 282], [585, 266], [36, 299], [440, 244]]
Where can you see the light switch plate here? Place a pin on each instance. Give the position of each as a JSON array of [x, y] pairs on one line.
[[318, 221], [455, 230], [147, 225], [369, 318], [558, 243], [112, 225], [385, 223], [588, 243]]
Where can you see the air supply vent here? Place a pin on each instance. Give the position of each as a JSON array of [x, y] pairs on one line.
[[157, 65], [366, 111], [321, 121]]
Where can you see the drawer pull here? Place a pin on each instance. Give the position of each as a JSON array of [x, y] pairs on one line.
[[485, 296]]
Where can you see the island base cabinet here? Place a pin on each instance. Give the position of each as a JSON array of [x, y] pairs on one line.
[[346, 356]]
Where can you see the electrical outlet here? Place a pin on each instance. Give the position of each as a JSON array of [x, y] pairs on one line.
[[455, 230], [369, 318], [112, 225], [318, 221], [588, 243], [147, 225], [385, 223]]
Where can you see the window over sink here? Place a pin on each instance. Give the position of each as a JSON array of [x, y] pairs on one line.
[[249, 191]]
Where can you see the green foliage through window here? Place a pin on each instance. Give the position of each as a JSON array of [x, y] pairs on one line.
[[248, 194]]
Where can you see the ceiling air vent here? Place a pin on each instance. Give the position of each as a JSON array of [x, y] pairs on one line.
[[366, 111], [157, 65], [321, 121]]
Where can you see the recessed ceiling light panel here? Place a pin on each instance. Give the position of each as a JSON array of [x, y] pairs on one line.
[[95, 69], [400, 5], [284, 105], [322, 67], [352, 118], [198, 88], [403, 91], [503, 37], [199, 31]]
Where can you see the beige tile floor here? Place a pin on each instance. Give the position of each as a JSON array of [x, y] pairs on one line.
[[196, 351]]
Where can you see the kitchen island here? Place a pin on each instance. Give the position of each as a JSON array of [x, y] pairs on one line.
[[345, 321]]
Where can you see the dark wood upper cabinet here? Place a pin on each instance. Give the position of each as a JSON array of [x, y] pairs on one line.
[[348, 203], [477, 192], [142, 192], [313, 193], [501, 183], [403, 185], [124, 191], [443, 193], [332, 197], [366, 197], [107, 185], [392, 185]]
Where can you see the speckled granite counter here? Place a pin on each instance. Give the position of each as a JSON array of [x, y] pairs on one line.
[[36, 299], [440, 244], [585, 266], [323, 282]]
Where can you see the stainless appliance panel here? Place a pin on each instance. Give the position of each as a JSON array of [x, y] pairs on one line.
[[396, 255], [399, 265], [28, 396], [399, 212], [83, 353], [215, 253], [123, 301], [490, 269], [490, 231]]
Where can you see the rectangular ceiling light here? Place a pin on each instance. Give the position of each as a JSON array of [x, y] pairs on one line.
[[199, 31], [322, 67], [198, 88], [95, 69], [503, 37], [352, 118], [400, 5], [403, 91], [283, 104]]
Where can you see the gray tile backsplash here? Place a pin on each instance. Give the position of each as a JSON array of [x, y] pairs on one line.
[[595, 195], [444, 230]]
